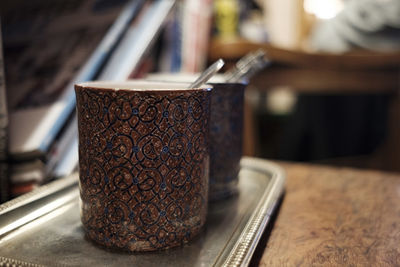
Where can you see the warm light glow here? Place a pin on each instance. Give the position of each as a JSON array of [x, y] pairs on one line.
[[323, 9]]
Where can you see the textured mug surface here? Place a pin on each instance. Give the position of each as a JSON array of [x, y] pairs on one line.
[[226, 138], [143, 164], [226, 133]]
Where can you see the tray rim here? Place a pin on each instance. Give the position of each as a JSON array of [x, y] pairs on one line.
[[243, 248], [247, 242]]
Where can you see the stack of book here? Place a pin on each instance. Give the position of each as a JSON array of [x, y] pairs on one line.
[[49, 46]]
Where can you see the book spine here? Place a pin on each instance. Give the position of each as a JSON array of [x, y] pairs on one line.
[[69, 162], [4, 170], [61, 151], [176, 40], [137, 41], [170, 60], [196, 17]]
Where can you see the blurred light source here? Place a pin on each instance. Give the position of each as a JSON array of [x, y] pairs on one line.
[[323, 9], [281, 100]]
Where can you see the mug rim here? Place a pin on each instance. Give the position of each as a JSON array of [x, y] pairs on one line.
[[141, 86]]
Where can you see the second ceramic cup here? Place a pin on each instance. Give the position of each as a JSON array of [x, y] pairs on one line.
[[143, 163], [226, 138], [226, 132]]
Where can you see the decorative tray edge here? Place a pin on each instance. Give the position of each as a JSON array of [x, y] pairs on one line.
[[245, 246]]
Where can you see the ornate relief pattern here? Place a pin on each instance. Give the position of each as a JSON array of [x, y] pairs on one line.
[[143, 159], [226, 138]]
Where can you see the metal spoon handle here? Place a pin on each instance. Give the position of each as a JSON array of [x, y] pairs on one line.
[[206, 75], [247, 66]]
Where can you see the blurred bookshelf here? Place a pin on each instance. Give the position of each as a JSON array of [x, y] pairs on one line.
[[48, 47]]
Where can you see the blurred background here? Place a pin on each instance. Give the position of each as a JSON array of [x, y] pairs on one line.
[[328, 95]]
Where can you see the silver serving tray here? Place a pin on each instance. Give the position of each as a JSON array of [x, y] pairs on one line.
[[43, 228]]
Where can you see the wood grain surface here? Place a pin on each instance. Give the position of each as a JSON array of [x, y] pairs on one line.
[[336, 217]]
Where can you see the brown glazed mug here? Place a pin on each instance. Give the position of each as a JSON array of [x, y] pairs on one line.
[[226, 131], [226, 138], [143, 162]]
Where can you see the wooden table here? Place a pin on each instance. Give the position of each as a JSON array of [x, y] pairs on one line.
[[335, 217]]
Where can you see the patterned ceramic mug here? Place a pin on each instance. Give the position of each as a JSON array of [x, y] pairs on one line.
[[226, 138], [143, 162], [226, 131]]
